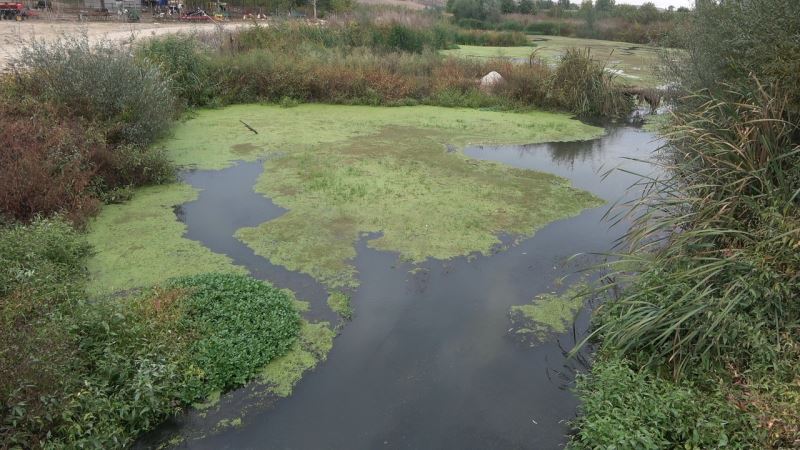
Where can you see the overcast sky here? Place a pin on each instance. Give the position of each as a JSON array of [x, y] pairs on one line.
[[659, 3]]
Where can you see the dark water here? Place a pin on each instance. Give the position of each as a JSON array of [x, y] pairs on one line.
[[427, 361]]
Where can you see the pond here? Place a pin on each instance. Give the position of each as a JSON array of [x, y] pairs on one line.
[[429, 359]]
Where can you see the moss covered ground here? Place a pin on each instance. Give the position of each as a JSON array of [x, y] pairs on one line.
[[343, 171], [636, 64], [140, 243]]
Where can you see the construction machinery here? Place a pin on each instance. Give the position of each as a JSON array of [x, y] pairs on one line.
[[13, 11]]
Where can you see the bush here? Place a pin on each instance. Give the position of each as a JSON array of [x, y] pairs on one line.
[[98, 373], [46, 162], [739, 41], [240, 323], [491, 38], [100, 83], [183, 63], [623, 408], [584, 87], [41, 273], [52, 163]]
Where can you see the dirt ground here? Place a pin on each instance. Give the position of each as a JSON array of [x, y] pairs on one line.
[[13, 33]]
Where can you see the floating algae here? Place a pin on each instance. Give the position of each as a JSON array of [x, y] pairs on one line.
[[140, 243], [343, 171], [547, 314]]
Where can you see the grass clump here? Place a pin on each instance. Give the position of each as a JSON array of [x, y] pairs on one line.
[[339, 303]]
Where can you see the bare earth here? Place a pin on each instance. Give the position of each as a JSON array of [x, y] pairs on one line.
[[13, 33]]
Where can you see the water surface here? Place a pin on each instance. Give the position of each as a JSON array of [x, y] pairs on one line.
[[427, 361]]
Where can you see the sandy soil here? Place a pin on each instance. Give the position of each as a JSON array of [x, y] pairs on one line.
[[12, 33]]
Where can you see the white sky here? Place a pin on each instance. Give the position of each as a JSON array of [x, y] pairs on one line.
[[659, 3]]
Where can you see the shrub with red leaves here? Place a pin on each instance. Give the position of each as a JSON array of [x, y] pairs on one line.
[[46, 162]]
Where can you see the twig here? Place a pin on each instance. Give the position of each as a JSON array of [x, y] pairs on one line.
[[248, 126]]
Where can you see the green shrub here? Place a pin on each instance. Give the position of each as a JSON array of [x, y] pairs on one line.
[[46, 256], [101, 82], [41, 271], [182, 62], [625, 408], [584, 87]]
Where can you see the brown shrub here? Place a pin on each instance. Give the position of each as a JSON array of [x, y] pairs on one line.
[[46, 162]]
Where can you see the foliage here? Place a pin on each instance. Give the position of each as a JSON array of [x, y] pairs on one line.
[[100, 83], [47, 162], [722, 288], [715, 238], [182, 62], [241, 324], [98, 373], [624, 408], [739, 41], [341, 65], [586, 88]]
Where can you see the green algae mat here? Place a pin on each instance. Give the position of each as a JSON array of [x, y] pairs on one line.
[[341, 172]]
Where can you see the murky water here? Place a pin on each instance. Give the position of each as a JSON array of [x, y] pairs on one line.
[[427, 361]]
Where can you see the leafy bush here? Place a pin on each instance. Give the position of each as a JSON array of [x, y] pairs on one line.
[[52, 163], [734, 41], [46, 162], [240, 323], [100, 83], [181, 60], [79, 373], [623, 408], [40, 272]]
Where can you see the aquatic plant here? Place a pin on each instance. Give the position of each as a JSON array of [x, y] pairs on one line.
[[547, 314], [358, 174]]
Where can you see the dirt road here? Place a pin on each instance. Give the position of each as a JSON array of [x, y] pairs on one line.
[[14, 33]]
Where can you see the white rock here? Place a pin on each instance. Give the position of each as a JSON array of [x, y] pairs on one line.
[[491, 80]]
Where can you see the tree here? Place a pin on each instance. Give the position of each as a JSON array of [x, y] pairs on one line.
[[648, 13], [508, 6], [604, 5], [563, 4], [587, 11], [527, 7]]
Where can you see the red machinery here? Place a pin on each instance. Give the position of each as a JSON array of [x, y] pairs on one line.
[[13, 11]]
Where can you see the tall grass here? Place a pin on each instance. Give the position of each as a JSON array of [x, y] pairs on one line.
[[723, 234], [341, 65]]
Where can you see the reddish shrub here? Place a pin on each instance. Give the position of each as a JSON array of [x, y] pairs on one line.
[[46, 162]]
